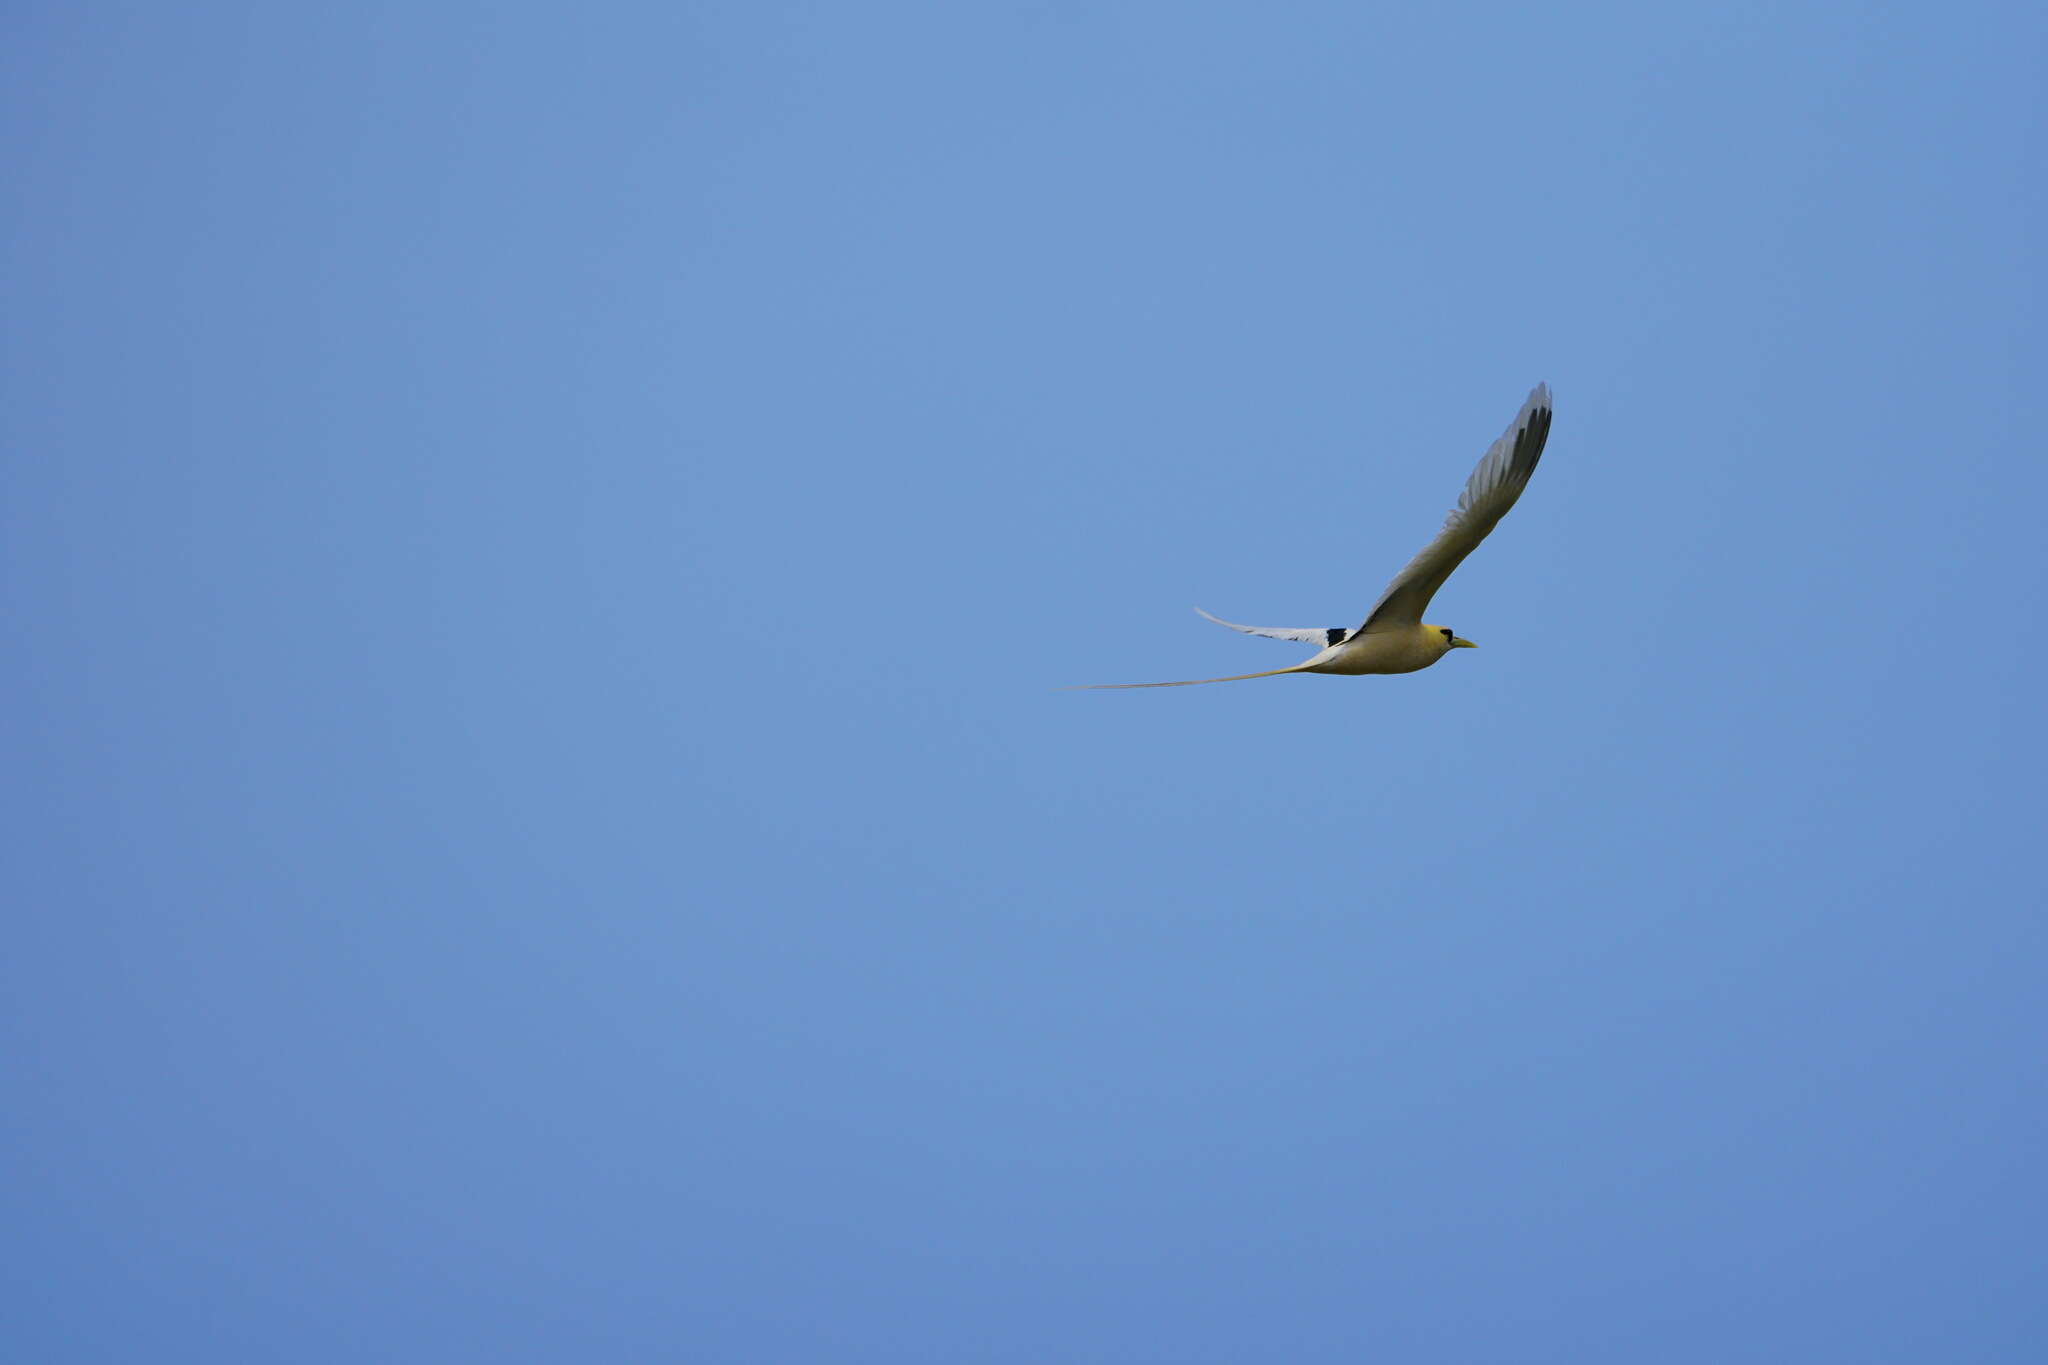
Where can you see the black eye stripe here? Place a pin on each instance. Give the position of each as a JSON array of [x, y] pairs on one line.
[[1447, 632]]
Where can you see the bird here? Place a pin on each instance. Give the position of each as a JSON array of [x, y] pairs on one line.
[[1394, 638]]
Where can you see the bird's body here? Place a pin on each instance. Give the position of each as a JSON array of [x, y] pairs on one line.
[[1394, 638], [1388, 651]]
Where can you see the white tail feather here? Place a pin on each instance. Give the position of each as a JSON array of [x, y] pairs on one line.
[[1187, 682]]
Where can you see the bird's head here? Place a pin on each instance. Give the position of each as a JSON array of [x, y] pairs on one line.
[[1449, 638]]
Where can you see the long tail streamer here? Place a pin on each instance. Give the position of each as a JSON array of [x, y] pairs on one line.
[[1188, 682]]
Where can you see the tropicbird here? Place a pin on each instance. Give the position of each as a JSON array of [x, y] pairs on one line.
[[1394, 638]]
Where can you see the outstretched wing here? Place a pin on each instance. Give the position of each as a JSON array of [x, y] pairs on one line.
[[1502, 474], [1321, 639]]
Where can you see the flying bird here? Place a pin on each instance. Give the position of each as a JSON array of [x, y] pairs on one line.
[[1394, 638]]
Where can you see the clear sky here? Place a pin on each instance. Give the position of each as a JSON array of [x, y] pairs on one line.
[[541, 541]]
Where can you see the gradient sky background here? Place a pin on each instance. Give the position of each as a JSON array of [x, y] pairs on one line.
[[539, 546]]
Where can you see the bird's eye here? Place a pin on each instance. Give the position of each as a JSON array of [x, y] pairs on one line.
[[1447, 633]]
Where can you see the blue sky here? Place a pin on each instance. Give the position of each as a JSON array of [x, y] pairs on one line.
[[539, 548]]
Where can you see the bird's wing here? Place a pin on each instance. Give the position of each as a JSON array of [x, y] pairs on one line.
[[1321, 639], [1500, 478]]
